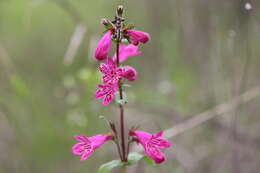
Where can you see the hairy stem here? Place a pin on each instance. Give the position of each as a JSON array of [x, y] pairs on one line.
[[118, 147]]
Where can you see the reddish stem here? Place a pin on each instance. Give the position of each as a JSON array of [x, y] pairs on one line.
[[122, 127]]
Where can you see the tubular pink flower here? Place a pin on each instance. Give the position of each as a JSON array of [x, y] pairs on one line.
[[107, 92], [86, 145], [104, 46], [138, 36], [111, 73], [127, 50], [129, 73], [152, 144]]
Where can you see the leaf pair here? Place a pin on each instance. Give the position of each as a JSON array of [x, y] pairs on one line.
[[133, 158]]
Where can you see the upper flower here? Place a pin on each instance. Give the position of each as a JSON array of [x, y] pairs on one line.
[[127, 50], [104, 46], [87, 145], [152, 144], [107, 92], [111, 73], [137, 36]]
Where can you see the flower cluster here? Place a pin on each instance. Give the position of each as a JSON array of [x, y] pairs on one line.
[[152, 143], [111, 71], [127, 42]]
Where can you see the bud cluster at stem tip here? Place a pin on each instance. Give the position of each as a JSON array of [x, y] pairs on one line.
[[112, 72]]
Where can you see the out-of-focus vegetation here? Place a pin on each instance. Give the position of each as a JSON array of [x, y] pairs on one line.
[[202, 53]]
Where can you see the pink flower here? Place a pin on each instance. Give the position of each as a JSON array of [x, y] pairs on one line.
[[107, 92], [138, 36], [111, 72], [87, 145], [152, 144], [129, 73], [127, 50], [104, 46]]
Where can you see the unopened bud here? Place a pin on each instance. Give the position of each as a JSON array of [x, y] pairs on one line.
[[105, 22], [120, 10], [108, 24]]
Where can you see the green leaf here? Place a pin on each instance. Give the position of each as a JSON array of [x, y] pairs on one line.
[[149, 160], [133, 158], [105, 168], [19, 86]]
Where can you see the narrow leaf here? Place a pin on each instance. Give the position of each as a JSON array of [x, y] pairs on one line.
[[133, 158], [105, 168], [149, 160]]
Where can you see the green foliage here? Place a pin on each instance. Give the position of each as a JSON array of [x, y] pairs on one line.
[[105, 168], [133, 158], [19, 86]]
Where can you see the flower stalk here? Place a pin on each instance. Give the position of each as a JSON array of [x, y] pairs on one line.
[[120, 83], [114, 75]]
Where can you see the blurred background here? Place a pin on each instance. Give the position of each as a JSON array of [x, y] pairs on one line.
[[202, 53]]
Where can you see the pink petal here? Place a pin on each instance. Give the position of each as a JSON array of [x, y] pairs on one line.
[[107, 99], [129, 73], [159, 141], [138, 36], [107, 92], [86, 155], [155, 154], [111, 63], [77, 148], [100, 93], [164, 143], [158, 134], [142, 136], [99, 140], [104, 46], [104, 67], [81, 138], [125, 51]]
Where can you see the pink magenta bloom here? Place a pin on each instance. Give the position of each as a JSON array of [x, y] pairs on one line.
[[86, 145], [107, 92], [111, 73], [138, 36], [104, 46], [152, 144], [127, 50], [129, 73]]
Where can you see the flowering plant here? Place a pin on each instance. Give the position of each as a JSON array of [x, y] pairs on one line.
[[113, 73]]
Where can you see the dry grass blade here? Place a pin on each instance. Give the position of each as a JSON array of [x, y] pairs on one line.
[[209, 114], [74, 44]]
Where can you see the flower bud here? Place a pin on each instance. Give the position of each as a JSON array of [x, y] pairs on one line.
[[104, 46], [120, 10], [108, 24]]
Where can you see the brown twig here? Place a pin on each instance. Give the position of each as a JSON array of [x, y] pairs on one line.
[[211, 113]]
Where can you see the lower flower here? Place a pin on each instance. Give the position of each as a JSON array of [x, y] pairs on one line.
[[107, 92], [152, 143], [86, 145]]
